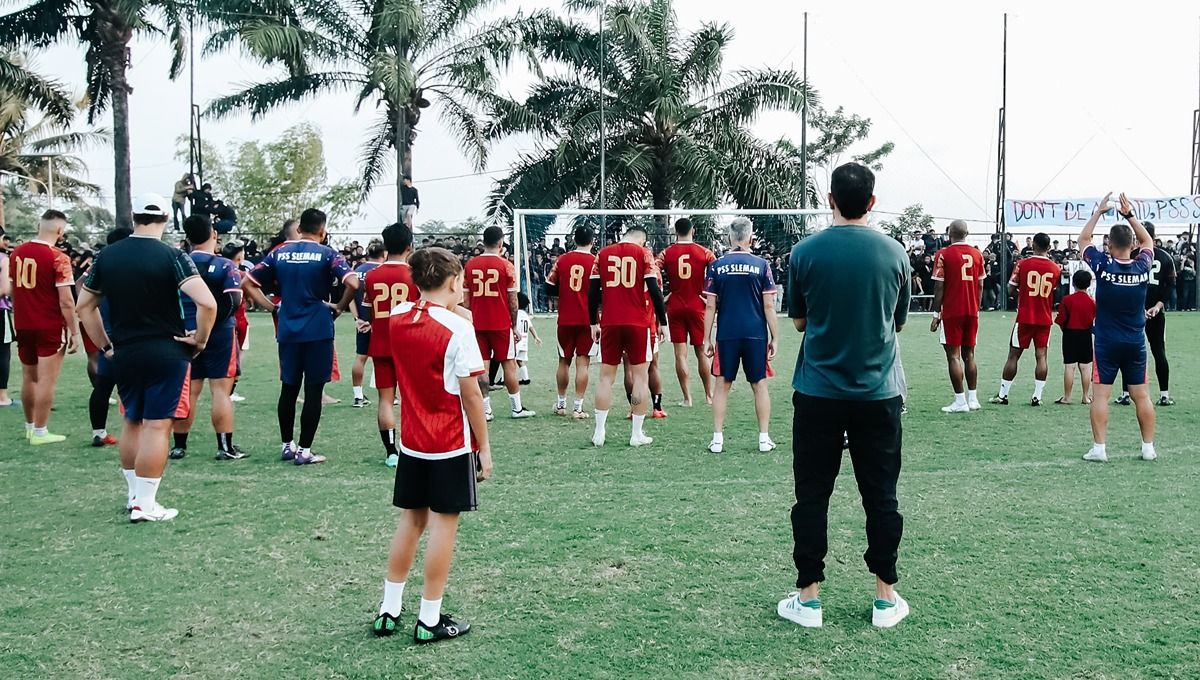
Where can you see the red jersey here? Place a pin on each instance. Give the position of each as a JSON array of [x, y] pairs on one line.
[[1077, 312], [960, 269], [489, 278], [37, 270], [1035, 278], [572, 282], [684, 265], [386, 287], [622, 269], [437, 348]]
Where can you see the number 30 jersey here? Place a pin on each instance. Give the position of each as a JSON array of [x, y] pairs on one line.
[[1035, 278], [622, 269], [570, 273], [489, 278], [959, 267], [386, 287]]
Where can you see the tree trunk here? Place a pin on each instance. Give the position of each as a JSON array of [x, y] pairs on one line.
[[116, 35], [2, 222], [402, 145]]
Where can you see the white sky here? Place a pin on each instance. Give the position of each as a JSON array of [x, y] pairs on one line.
[[1100, 98]]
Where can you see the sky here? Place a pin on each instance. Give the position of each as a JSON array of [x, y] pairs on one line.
[[1100, 97]]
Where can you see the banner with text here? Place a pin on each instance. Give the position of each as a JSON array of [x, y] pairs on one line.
[[1072, 212]]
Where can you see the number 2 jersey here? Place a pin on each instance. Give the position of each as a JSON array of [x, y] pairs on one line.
[[622, 270], [386, 287], [488, 280], [1035, 278], [959, 267], [571, 272]]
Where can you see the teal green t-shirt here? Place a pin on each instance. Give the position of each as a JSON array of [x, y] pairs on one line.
[[852, 284]]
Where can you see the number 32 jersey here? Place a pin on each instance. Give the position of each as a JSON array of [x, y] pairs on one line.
[[622, 269], [1035, 278], [386, 287], [489, 278], [570, 273]]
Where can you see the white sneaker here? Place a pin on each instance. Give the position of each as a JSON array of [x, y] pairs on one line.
[[523, 413], [957, 408], [798, 611], [974, 405], [716, 446], [155, 514], [1095, 456], [636, 441], [489, 416], [887, 614], [598, 438], [235, 397], [1148, 453], [765, 445]]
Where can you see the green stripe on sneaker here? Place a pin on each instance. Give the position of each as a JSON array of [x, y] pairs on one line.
[[884, 604]]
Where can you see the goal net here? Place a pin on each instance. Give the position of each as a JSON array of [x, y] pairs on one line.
[[535, 233]]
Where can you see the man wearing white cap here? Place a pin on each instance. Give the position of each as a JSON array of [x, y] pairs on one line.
[[141, 278]]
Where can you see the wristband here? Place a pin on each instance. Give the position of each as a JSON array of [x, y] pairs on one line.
[[107, 348], [1127, 216]]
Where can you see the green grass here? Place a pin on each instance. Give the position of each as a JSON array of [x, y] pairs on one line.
[[1019, 559]]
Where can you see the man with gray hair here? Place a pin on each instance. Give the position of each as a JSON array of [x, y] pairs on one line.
[[741, 290]]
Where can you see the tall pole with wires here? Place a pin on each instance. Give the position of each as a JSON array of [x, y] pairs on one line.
[[804, 136], [603, 132], [401, 121], [1002, 151], [192, 94], [1194, 229]]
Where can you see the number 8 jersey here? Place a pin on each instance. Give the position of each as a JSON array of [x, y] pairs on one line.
[[488, 279], [1035, 278], [571, 272], [622, 269]]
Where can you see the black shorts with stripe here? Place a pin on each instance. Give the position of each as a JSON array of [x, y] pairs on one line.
[[446, 485]]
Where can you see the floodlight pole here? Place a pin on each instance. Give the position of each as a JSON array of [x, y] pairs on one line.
[[804, 135], [1002, 152], [1194, 230], [603, 131], [401, 124]]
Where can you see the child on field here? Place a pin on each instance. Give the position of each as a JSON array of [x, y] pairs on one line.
[[442, 437], [524, 330], [1076, 314]]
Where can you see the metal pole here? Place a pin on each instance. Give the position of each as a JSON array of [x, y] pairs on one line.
[[1002, 153], [804, 135], [192, 96], [50, 184], [401, 124], [603, 132]]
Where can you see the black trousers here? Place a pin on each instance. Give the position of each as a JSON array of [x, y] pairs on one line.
[[819, 427], [1156, 333]]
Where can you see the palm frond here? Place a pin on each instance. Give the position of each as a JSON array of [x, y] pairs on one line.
[[24, 89], [259, 99]]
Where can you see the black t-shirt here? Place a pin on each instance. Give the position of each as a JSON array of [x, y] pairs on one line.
[[139, 277], [1162, 278]]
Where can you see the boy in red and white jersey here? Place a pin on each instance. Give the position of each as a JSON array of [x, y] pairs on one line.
[[444, 448]]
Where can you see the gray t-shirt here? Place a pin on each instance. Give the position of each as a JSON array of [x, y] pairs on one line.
[[852, 285]]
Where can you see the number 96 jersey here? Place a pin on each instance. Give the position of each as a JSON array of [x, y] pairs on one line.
[[489, 278], [386, 287], [622, 269], [1035, 278]]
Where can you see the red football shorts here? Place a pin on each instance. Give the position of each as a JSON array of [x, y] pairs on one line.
[[960, 331], [32, 345], [574, 341], [1024, 333], [385, 372], [687, 327], [496, 345], [633, 342]]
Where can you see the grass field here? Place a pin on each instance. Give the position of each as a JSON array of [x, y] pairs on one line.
[[1019, 559]]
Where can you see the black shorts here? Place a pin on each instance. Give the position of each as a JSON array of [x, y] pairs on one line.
[[445, 486], [362, 342], [1077, 347]]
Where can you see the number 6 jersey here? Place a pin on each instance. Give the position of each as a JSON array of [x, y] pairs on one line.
[[488, 279], [1035, 278]]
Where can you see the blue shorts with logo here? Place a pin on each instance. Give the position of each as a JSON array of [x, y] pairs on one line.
[[749, 353], [362, 341], [153, 387], [1128, 359], [310, 361]]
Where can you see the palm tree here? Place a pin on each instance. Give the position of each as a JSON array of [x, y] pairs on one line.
[[105, 28], [675, 124], [397, 56]]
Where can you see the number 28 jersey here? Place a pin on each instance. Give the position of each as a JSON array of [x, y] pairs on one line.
[[385, 288], [489, 278], [1035, 278], [570, 273], [622, 269]]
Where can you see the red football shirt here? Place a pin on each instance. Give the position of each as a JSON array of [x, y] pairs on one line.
[[623, 269], [437, 348], [386, 287], [960, 269], [684, 265], [1077, 312], [1035, 278], [570, 273], [489, 278], [37, 270]]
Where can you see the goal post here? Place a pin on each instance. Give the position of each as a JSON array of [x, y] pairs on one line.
[[776, 231]]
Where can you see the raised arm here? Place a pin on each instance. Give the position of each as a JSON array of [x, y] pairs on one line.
[[1085, 236], [1144, 240]]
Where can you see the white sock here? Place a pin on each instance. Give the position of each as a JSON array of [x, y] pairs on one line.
[[562, 401], [358, 392], [718, 437], [100, 433], [601, 420], [1147, 446], [637, 425], [487, 404], [579, 405], [305, 450], [1163, 395], [393, 593], [960, 399], [130, 485], [28, 428], [290, 445], [763, 437], [147, 489], [1124, 395], [972, 396], [431, 611], [1005, 386], [1098, 447], [41, 431], [522, 373], [515, 400], [1038, 386]]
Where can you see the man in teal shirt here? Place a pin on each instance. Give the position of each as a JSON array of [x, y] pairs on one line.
[[849, 292]]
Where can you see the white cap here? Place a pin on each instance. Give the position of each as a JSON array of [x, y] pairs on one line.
[[151, 204]]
